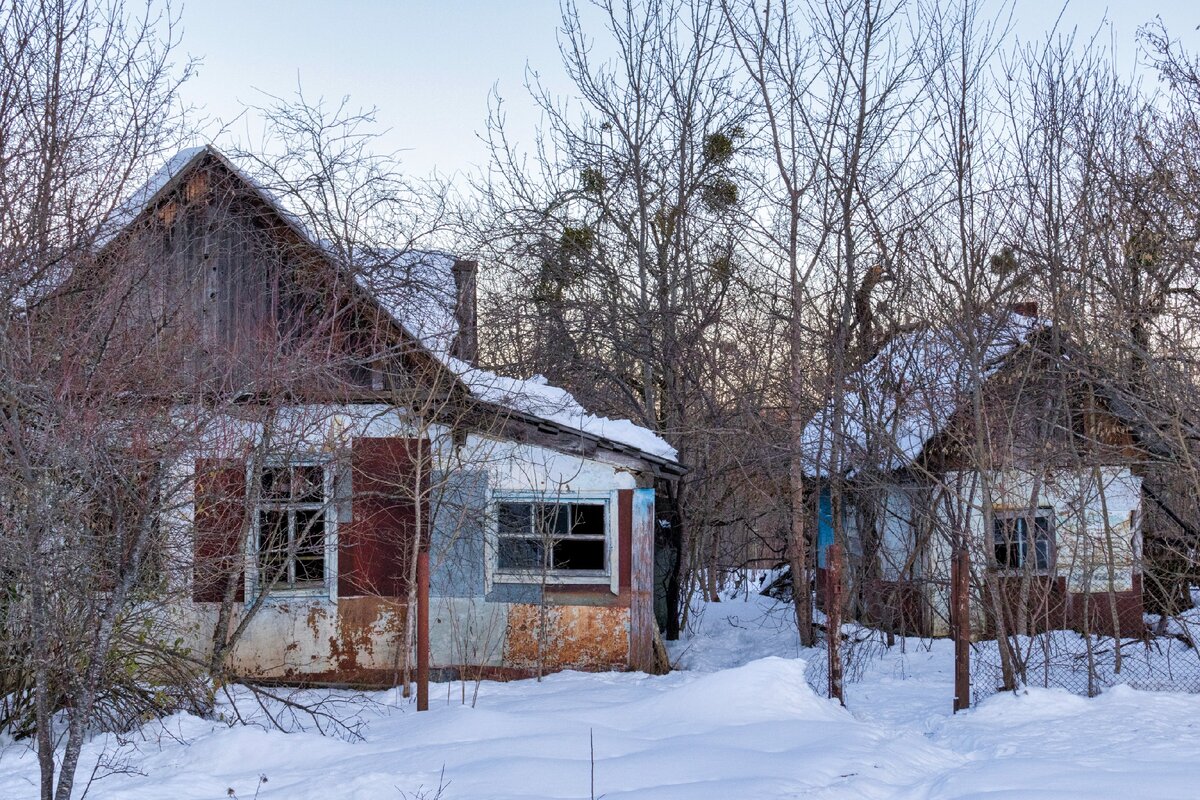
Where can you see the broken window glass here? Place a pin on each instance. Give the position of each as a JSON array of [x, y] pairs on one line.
[[567, 538], [1023, 539], [291, 523]]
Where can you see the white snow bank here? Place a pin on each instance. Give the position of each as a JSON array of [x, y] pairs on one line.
[[735, 696], [676, 737], [1047, 743], [749, 730], [536, 397]]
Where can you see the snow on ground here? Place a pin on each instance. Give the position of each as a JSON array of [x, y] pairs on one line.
[[738, 721]]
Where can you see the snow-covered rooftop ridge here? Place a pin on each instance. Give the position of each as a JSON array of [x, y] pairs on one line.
[[537, 398], [904, 396], [136, 203], [133, 205]]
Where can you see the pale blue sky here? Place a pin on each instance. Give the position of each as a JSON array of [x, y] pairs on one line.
[[429, 66]]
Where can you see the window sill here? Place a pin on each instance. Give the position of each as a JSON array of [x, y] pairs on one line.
[[1005, 572], [564, 579], [283, 595]]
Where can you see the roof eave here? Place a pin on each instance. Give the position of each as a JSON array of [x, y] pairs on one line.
[[660, 466]]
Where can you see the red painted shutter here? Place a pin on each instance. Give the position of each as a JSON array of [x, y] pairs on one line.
[[219, 525], [625, 537], [375, 548]]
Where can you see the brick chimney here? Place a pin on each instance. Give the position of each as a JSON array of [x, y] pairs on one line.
[[465, 346]]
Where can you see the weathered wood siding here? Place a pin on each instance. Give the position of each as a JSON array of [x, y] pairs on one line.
[[238, 295]]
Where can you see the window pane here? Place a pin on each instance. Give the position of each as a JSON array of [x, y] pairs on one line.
[[308, 483], [1008, 534], [515, 518], [587, 554], [520, 553], [310, 531], [274, 483], [589, 520], [1042, 543], [310, 568], [1042, 554], [272, 546], [1007, 547], [1008, 555], [310, 546], [553, 521]]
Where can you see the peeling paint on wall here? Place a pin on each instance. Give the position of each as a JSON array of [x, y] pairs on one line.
[[354, 641]]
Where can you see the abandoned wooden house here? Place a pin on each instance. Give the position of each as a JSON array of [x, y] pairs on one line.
[[363, 432], [1024, 455]]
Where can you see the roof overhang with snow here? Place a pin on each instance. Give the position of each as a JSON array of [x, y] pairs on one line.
[[908, 393]]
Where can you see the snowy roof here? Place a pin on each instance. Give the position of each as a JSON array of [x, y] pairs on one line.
[[178, 164], [904, 396], [417, 289], [536, 397], [129, 210]]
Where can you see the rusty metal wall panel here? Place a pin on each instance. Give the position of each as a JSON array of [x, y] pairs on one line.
[[642, 623], [218, 543], [375, 550], [566, 637], [353, 642]]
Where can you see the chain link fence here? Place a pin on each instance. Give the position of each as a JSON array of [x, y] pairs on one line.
[[1165, 658]]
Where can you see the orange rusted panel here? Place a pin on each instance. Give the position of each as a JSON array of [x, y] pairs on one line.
[[363, 623], [567, 637], [355, 641]]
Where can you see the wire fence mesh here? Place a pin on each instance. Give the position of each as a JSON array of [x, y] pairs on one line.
[[1165, 658]]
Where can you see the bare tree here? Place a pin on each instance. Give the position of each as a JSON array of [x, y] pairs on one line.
[[88, 96], [624, 261]]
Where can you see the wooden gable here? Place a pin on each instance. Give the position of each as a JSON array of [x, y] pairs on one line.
[[235, 298], [1037, 407]]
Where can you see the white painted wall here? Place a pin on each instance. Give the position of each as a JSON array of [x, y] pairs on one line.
[[295, 633], [897, 540], [1098, 544]]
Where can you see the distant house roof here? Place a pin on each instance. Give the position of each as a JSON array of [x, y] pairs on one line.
[[417, 290], [908, 392]]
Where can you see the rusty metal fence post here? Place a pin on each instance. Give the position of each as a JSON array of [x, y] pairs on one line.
[[423, 630], [960, 623], [833, 619]]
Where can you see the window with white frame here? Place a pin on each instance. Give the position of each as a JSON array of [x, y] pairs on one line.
[[291, 527], [1024, 539], [560, 538]]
